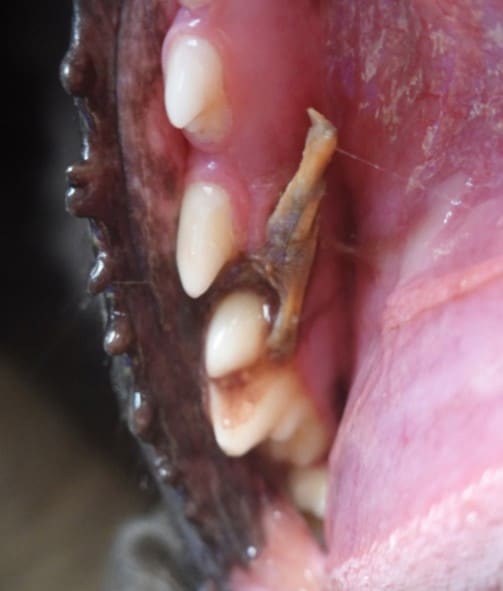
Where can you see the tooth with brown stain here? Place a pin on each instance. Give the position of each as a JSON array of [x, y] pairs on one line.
[[206, 240], [195, 97], [193, 3]]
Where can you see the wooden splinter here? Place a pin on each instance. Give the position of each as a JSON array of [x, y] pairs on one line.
[[287, 257]]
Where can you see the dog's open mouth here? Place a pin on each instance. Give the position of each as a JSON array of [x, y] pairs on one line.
[[298, 212]]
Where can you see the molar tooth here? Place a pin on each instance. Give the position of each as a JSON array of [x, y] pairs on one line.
[[308, 488], [236, 333], [244, 418], [205, 239], [194, 90]]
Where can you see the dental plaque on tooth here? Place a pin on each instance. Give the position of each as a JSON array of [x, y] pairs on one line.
[[256, 395]]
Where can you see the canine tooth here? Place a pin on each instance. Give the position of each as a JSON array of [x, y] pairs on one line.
[[308, 488], [290, 421], [306, 445], [236, 333], [194, 90], [244, 418], [205, 239]]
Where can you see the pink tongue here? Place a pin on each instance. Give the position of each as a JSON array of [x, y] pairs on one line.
[[417, 468]]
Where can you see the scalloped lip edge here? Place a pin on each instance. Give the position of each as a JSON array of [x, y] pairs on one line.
[[98, 190]]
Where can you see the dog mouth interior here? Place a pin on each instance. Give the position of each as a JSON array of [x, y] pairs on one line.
[[307, 307]]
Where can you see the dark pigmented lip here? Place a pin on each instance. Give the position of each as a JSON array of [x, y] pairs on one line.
[[156, 361]]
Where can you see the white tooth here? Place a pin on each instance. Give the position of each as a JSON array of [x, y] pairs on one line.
[[307, 443], [291, 420], [236, 333], [244, 418], [193, 3], [194, 90], [308, 487], [205, 236]]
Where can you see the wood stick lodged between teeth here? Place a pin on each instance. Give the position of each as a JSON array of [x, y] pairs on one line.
[[292, 233]]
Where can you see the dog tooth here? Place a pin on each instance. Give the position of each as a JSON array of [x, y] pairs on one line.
[[306, 445], [194, 95], [205, 239], [236, 333], [244, 418], [193, 3], [308, 488]]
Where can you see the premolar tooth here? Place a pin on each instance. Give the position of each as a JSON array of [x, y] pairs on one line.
[[308, 487], [194, 90], [306, 445], [205, 236], [193, 3], [244, 418], [236, 334]]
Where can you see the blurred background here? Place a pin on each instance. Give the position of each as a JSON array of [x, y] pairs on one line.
[[68, 472]]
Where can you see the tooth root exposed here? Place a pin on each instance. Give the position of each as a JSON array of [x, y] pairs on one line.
[[244, 418], [194, 90], [236, 334], [205, 236], [308, 488]]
